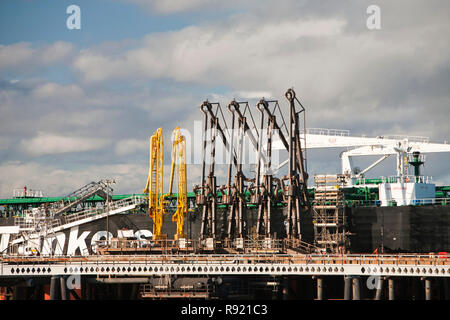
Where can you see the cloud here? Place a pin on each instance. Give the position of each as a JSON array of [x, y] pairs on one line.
[[178, 6], [196, 54], [22, 57], [4, 143], [129, 146], [47, 143], [56, 181], [391, 81], [50, 90]]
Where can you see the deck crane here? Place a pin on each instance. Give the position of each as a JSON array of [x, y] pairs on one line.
[[154, 186], [179, 159]]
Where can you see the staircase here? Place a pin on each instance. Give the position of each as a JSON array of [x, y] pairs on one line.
[[100, 188]]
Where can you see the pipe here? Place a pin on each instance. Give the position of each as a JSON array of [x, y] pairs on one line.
[[119, 280]]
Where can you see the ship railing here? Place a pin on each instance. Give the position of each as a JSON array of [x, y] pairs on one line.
[[420, 139], [392, 202], [327, 132], [146, 245], [33, 223], [407, 178], [133, 200], [22, 193], [411, 262]]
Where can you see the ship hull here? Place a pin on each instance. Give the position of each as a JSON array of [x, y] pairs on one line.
[[418, 229]]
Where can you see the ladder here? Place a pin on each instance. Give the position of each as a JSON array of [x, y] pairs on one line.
[[100, 188]]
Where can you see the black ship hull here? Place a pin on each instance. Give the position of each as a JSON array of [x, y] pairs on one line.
[[407, 229]]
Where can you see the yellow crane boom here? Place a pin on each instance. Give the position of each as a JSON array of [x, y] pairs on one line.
[[179, 159], [154, 186]]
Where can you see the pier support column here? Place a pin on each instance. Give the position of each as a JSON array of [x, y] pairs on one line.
[[347, 288], [54, 283], [446, 289], [319, 288], [285, 288], [427, 289], [19, 293], [37, 292], [356, 289], [391, 285], [62, 281], [379, 292], [134, 291]]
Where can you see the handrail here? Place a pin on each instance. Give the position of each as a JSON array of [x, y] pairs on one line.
[[313, 259]]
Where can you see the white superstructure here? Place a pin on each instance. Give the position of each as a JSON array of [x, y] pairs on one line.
[[402, 189]]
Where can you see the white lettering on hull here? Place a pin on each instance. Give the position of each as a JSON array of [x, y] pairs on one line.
[[76, 242]]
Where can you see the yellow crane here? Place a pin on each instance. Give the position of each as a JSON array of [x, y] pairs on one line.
[[179, 159], [154, 187]]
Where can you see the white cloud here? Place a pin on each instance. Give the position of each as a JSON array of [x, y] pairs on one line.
[[208, 54], [47, 143], [177, 6], [50, 90], [129, 146], [23, 57], [53, 181]]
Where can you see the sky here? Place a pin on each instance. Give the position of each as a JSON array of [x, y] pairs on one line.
[[79, 105]]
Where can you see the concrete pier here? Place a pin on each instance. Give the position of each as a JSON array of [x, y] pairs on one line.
[[319, 288], [356, 289], [391, 285], [347, 288], [379, 289]]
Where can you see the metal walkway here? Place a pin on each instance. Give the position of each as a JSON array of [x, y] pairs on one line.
[[47, 226], [100, 188]]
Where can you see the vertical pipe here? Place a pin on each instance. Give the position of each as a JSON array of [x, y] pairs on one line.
[[356, 289], [347, 288], [203, 186], [379, 292], [230, 163], [391, 286], [319, 288], [428, 289]]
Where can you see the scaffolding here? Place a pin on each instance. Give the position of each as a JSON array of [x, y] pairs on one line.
[[329, 218]]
